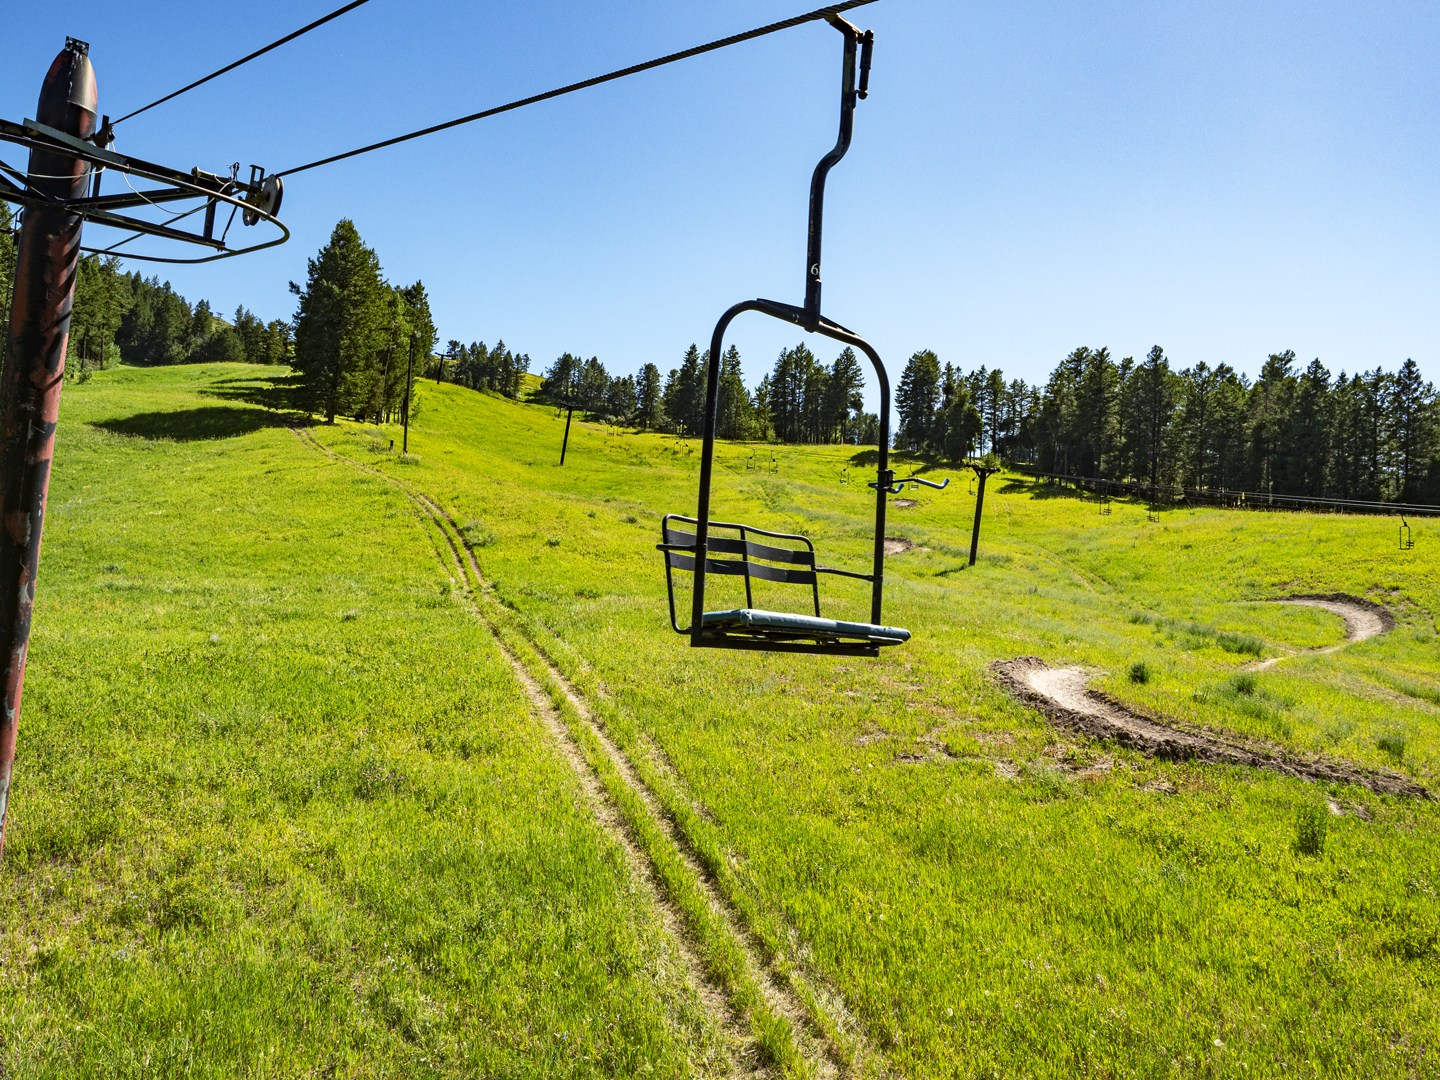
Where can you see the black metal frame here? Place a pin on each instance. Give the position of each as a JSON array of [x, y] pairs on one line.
[[247, 198], [855, 78], [799, 568], [1406, 540], [680, 550]]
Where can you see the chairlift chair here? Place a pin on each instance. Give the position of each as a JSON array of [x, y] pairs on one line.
[[731, 549], [1406, 540]]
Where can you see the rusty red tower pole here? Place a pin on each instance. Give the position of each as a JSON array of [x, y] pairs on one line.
[[45, 270]]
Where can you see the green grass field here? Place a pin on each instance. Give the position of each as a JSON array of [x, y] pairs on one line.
[[297, 794]]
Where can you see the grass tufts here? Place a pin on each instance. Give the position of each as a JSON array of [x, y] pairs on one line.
[[1048, 781], [1240, 644], [1312, 823], [1392, 744], [476, 535], [1194, 635]]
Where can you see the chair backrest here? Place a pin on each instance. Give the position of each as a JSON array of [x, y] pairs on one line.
[[783, 557]]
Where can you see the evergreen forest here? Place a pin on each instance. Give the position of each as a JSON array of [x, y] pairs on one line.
[[359, 343]]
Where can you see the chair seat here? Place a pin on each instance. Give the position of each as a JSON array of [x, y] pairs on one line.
[[785, 624]]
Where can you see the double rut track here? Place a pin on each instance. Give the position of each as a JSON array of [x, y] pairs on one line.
[[754, 995]]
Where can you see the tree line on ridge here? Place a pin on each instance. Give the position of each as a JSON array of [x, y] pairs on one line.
[[1292, 430]]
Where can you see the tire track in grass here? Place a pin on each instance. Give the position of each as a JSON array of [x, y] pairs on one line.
[[722, 955], [820, 1006], [823, 1009]]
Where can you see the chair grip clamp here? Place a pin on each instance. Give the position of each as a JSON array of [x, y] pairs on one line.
[[867, 51]]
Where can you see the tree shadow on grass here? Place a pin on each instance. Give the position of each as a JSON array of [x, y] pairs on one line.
[[279, 392], [1040, 489], [899, 460], [194, 425]]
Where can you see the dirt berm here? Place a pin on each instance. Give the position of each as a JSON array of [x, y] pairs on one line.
[[1062, 696]]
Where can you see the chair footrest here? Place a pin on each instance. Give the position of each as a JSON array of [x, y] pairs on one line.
[[783, 624]]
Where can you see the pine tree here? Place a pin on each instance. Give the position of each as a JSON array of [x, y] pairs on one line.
[[490, 371], [1416, 431], [252, 334], [1375, 425], [102, 296], [732, 419], [561, 381], [340, 327], [414, 314], [1017, 422], [170, 341], [1058, 422], [962, 424], [787, 393], [649, 409], [844, 396], [1095, 421], [381, 386], [1148, 411], [202, 324], [815, 390], [1227, 425], [992, 407], [684, 393], [593, 386], [916, 400], [1270, 401], [138, 323], [620, 399], [760, 409], [452, 361], [1306, 453]]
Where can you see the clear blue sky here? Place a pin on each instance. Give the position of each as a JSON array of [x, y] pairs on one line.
[[1223, 179]]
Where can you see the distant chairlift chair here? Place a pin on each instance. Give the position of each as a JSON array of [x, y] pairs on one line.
[[758, 554]]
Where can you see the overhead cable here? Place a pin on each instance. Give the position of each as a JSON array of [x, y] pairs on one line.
[[246, 59], [635, 69]]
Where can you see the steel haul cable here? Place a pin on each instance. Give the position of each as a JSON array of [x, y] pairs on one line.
[[634, 69], [246, 59]]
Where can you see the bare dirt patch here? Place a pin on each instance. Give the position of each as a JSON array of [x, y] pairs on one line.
[[1062, 696], [874, 735], [928, 747], [1364, 619], [1073, 761], [905, 504], [899, 545]]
